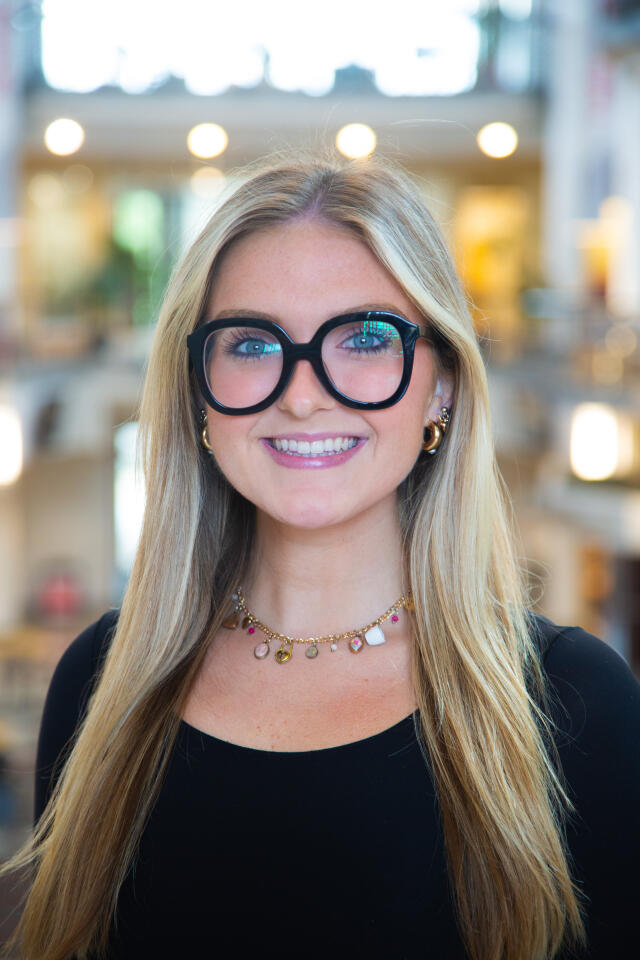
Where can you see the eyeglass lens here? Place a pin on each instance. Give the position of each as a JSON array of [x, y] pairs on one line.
[[363, 359]]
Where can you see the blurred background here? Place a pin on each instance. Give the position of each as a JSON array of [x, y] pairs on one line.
[[121, 121]]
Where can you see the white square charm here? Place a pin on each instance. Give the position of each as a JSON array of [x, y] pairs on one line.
[[375, 637]]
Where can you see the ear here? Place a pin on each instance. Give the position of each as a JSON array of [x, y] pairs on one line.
[[442, 397]]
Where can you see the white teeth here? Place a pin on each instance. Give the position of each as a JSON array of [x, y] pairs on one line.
[[317, 447]]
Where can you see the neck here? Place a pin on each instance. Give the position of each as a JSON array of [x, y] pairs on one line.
[[333, 579]]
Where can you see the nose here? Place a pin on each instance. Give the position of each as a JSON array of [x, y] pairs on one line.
[[304, 393]]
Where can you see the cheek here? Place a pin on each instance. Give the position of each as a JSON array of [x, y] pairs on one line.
[[400, 433], [227, 436], [397, 438], [402, 442], [403, 428], [424, 377]]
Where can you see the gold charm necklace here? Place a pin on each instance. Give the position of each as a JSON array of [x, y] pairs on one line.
[[370, 634]]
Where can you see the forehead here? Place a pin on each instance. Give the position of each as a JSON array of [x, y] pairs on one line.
[[302, 273]]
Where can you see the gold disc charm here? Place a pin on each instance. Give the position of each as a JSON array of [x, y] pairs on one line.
[[311, 651], [283, 654]]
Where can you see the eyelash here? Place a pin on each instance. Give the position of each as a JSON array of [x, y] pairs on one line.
[[239, 337], [377, 349]]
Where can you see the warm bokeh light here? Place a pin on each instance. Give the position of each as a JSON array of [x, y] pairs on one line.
[[497, 140], [207, 182], [207, 140], [45, 190], [11, 453], [63, 136], [596, 442], [356, 140], [616, 219]]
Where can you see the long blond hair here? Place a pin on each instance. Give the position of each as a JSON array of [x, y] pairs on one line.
[[476, 668]]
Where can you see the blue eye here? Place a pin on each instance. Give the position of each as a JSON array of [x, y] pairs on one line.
[[243, 344], [364, 341], [370, 338]]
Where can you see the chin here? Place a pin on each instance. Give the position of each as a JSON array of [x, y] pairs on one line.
[[308, 514], [312, 519]]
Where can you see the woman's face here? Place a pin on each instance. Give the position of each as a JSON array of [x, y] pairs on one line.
[[301, 274]]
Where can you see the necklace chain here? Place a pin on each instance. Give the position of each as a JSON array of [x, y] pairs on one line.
[[356, 637]]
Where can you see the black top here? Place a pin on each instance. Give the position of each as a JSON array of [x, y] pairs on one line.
[[338, 852]]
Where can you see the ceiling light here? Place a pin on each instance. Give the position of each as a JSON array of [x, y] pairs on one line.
[[497, 140], [207, 140], [63, 137], [356, 140]]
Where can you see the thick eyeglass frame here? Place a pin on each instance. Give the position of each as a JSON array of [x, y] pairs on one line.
[[292, 352]]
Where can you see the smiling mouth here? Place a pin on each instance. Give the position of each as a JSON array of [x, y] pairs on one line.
[[315, 448]]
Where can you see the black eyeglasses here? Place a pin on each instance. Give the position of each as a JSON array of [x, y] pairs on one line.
[[364, 360]]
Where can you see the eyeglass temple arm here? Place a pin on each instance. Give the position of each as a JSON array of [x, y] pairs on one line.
[[426, 333]]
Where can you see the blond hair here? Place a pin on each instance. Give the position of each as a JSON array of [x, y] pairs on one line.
[[476, 669]]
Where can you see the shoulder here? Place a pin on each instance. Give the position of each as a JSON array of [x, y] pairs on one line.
[[83, 657], [574, 660], [69, 691], [77, 670], [595, 707], [595, 694]]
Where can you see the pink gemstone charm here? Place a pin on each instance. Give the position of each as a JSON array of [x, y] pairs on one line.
[[394, 618], [261, 650], [356, 644], [251, 630]]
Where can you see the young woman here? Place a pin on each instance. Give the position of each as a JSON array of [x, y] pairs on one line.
[[323, 720]]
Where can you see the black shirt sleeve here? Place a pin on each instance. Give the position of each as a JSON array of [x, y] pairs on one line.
[[597, 710], [66, 702]]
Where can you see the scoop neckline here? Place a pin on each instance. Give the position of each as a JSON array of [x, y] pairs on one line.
[[192, 731]]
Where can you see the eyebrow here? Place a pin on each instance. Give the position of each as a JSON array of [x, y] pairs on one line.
[[260, 315]]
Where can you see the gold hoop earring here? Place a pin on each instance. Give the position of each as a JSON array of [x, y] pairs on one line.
[[435, 437], [204, 439], [437, 429]]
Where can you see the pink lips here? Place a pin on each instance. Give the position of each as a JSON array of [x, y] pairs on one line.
[[311, 461]]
